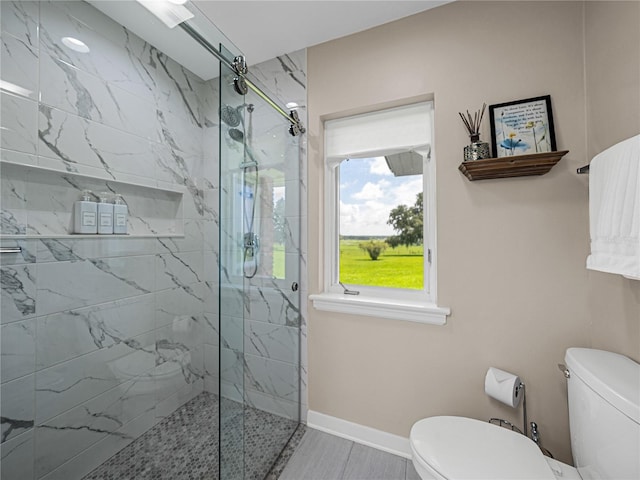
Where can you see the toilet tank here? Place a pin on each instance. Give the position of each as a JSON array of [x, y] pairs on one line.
[[604, 413]]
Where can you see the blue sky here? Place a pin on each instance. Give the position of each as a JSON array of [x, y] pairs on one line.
[[368, 192]]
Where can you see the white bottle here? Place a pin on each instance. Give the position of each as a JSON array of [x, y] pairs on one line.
[[120, 213], [105, 215], [85, 214]]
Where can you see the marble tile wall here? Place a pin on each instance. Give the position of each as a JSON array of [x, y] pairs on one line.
[[263, 325], [100, 337], [275, 304], [103, 337]]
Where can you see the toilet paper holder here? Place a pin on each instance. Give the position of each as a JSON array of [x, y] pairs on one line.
[[535, 435], [501, 422], [505, 423]]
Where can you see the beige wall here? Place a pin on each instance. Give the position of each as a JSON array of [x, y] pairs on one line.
[[511, 252], [612, 46]]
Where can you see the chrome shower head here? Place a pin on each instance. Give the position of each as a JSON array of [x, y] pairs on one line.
[[236, 134], [230, 115]]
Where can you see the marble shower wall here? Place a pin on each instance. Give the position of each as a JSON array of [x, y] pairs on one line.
[[263, 323], [273, 306], [101, 337]]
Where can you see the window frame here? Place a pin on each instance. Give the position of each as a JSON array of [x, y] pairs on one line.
[[386, 302]]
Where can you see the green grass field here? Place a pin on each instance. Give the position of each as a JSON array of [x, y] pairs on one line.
[[400, 267], [278, 260]]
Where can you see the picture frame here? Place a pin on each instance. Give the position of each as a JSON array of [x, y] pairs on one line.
[[522, 127]]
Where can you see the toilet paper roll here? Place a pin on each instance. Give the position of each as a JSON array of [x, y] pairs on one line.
[[503, 386]]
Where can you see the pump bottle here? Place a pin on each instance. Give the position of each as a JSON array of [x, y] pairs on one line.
[[85, 214]]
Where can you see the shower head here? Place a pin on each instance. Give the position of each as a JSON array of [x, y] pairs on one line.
[[230, 116], [236, 135]]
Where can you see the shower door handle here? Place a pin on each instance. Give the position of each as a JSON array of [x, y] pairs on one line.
[[294, 287]]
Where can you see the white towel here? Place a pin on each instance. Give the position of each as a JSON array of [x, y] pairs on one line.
[[614, 209]]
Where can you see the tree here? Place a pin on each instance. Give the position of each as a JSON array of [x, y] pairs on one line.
[[279, 225], [374, 248], [408, 223]]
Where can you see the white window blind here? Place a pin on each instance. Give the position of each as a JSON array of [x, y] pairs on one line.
[[380, 133]]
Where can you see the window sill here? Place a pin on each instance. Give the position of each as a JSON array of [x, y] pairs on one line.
[[411, 311]]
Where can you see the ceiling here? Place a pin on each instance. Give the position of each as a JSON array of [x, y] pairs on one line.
[[260, 29], [265, 29]]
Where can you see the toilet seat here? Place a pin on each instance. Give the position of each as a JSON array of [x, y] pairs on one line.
[[463, 448]]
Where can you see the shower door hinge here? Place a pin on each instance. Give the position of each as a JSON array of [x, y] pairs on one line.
[[429, 255]]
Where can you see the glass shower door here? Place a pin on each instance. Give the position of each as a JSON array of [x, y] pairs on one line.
[[259, 275], [231, 294]]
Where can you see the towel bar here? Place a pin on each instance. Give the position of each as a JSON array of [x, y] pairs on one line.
[[584, 169], [10, 249]]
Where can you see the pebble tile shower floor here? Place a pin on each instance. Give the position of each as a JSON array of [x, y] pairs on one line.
[[185, 445]]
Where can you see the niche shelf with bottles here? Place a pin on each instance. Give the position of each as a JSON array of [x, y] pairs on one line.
[[38, 202]]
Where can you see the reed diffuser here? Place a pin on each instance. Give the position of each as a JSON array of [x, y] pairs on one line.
[[477, 150]]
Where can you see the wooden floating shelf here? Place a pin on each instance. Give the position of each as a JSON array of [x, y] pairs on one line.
[[516, 166]]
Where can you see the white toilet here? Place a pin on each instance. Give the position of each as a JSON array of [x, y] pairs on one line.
[[604, 419]]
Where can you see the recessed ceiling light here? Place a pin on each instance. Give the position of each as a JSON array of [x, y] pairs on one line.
[[292, 105], [75, 44], [170, 12]]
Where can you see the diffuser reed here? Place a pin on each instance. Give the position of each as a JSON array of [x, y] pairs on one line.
[[472, 124], [477, 150]]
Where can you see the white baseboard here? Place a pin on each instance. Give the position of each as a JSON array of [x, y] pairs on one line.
[[371, 437]]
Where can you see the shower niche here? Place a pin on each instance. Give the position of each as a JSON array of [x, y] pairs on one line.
[[38, 202]]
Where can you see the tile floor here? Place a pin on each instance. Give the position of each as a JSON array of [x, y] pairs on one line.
[[251, 441], [321, 456], [287, 453], [185, 445]]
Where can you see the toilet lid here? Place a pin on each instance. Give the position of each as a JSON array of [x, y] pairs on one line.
[[459, 448]]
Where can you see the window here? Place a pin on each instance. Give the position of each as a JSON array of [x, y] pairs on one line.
[[380, 215]]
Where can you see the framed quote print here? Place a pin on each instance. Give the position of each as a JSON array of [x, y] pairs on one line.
[[522, 127]]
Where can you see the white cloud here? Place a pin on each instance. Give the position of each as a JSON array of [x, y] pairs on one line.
[[405, 194], [368, 210], [347, 184], [371, 191], [349, 211], [369, 218], [379, 167]]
